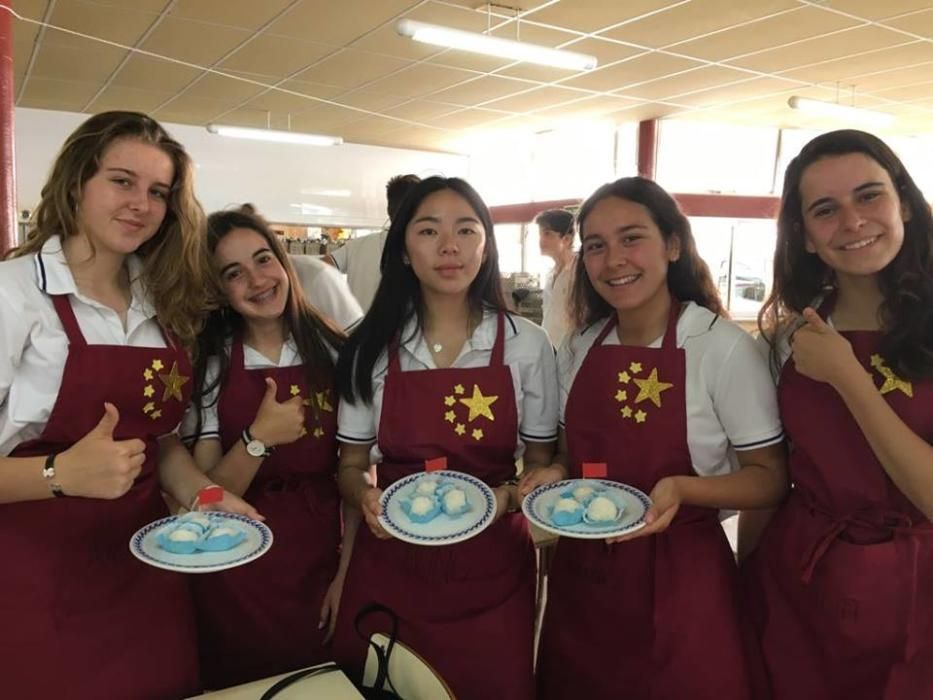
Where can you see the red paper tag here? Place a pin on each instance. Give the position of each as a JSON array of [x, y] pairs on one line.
[[209, 494], [436, 464], [594, 470]]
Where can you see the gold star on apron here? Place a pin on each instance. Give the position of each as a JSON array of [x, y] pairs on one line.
[[450, 416], [635, 367], [459, 389], [479, 405], [173, 383], [147, 375], [322, 401], [460, 429], [478, 434], [624, 377], [621, 395], [891, 381], [640, 416], [294, 390], [651, 388]]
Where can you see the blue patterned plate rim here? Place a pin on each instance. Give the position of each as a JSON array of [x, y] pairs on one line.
[[473, 522], [636, 505], [144, 547]]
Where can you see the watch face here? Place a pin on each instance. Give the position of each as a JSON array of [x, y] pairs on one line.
[[255, 448]]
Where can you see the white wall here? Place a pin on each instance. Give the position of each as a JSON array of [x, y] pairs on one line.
[[277, 178]]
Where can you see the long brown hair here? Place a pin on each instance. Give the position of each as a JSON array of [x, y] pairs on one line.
[[174, 260], [688, 277], [314, 335], [800, 278]]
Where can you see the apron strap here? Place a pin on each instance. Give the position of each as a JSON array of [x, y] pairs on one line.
[[394, 365], [236, 353], [669, 341], [66, 315], [497, 359]]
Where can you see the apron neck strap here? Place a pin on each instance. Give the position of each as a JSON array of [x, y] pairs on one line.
[[670, 334], [236, 352], [66, 315], [497, 359]]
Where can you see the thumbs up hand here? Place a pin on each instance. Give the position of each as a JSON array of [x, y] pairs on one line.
[[278, 423], [97, 466], [821, 353]]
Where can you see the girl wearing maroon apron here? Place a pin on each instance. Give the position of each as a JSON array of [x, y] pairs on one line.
[[267, 430], [841, 579], [463, 386], [82, 618], [655, 615]]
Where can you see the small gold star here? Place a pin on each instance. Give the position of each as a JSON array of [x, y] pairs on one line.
[[478, 434], [148, 391], [147, 375], [626, 412], [449, 400], [460, 429], [148, 407], [459, 389], [635, 367], [155, 415], [640, 416], [621, 395], [450, 416], [651, 388], [624, 378], [322, 401], [479, 405], [876, 361], [173, 382], [294, 390], [892, 382], [157, 365], [318, 432]]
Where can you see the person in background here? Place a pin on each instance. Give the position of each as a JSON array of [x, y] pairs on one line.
[[670, 397], [842, 579], [438, 369], [263, 423], [99, 310], [360, 258], [555, 238]]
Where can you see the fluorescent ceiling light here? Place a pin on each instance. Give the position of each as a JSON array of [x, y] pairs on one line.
[[494, 46], [841, 112], [240, 132]]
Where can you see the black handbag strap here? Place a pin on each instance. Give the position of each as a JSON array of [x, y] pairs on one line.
[[382, 655]]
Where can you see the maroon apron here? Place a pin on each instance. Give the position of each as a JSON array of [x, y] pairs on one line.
[[261, 619], [842, 582], [81, 617], [656, 617], [467, 608]]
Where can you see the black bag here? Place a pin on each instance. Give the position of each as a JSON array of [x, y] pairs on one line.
[[378, 691]]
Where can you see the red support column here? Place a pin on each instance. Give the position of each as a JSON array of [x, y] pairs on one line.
[[647, 147], [7, 161]]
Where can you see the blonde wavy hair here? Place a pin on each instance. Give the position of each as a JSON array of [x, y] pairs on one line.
[[175, 264]]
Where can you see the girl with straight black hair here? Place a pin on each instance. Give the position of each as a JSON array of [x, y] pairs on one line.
[[439, 369]]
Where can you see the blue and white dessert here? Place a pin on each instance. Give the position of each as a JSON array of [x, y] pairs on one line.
[[602, 511], [221, 538], [454, 501], [421, 509], [567, 512]]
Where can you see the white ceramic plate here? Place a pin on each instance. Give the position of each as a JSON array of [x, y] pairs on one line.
[[443, 529], [144, 547], [538, 504]]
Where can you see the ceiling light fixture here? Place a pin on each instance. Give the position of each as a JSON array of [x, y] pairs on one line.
[[841, 112], [494, 46], [241, 132]]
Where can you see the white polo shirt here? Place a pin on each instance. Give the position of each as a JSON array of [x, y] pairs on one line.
[[730, 397], [528, 354], [327, 290], [359, 260], [555, 316], [33, 344]]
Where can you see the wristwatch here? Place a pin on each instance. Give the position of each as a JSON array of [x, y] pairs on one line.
[[254, 447]]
